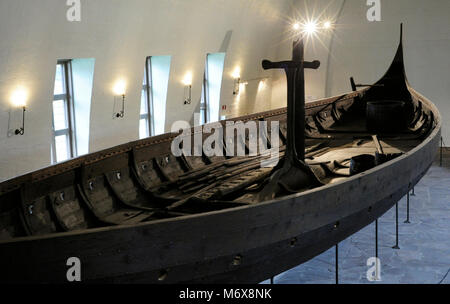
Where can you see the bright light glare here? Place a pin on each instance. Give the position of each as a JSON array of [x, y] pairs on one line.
[[187, 80], [236, 73], [327, 25], [120, 87], [242, 87], [310, 27], [296, 26], [19, 97], [262, 85]]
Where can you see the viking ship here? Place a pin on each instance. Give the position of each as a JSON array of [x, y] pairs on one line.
[[138, 213]]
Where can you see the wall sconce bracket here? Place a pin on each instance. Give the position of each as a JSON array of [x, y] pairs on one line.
[[121, 114], [21, 130], [237, 84], [188, 94]]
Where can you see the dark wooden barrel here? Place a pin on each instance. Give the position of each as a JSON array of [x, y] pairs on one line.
[[386, 116], [361, 163]]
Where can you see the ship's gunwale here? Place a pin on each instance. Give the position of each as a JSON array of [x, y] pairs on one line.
[[60, 168], [143, 232], [322, 102]]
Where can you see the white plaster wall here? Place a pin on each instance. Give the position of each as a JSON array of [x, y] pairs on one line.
[[427, 48], [120, 34], [365, 49]]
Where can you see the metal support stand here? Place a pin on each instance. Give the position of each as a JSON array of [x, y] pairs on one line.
[[396, 227], [337, 264], [376, 238], [407, 209], [271, 281], [376, 250]]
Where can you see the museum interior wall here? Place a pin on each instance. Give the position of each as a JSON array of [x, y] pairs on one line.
[[119, 35], [364, 49], [125, 33]]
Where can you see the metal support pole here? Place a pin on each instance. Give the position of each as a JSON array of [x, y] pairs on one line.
[[376, 238], [337, 264], [396, 227], [413, 193], [407, 209], [271, 281]]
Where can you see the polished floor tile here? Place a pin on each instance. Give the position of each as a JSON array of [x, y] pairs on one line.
[[424, 254]]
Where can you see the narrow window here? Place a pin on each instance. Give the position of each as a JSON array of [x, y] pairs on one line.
[[203, 116], [63, 146], [145, 121], [83, 82], [212, 85], [71, 107], [154, 96]]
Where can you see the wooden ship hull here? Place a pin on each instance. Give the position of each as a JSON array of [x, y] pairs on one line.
[[135, 213]]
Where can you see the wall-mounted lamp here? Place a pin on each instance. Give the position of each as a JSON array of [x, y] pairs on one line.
[[237, 81], [187, 81], [119, 91], [19, 99]]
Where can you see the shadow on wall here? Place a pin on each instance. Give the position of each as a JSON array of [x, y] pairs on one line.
[[209, 104]]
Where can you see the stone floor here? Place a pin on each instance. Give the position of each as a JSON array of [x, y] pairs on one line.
[[424, 254]]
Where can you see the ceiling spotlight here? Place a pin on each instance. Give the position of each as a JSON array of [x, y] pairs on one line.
[[296, 26], [310, 27], [327, 25]]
